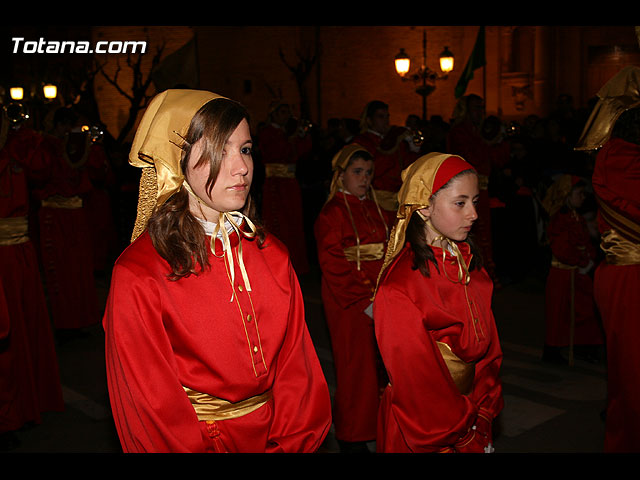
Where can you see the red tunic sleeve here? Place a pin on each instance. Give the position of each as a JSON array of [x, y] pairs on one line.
[[150, 408], [302, 406]]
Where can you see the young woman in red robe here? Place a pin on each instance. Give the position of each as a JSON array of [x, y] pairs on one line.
[[433, 319], [207, 347], [351, 233], [571, 316]]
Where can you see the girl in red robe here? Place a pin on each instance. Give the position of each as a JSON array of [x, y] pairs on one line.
[[571, 317], [351, 232], [433, 319], [207, 347]]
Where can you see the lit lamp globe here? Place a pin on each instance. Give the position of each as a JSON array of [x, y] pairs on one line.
[[446, 61], [403, 63], [50, 91], [17, 93]]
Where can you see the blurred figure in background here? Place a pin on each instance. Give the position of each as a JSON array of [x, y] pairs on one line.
[[281, 147], [571, 317], [29, 376], [351, 234]]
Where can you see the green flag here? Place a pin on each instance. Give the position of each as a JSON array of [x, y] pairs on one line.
[[476, 60]]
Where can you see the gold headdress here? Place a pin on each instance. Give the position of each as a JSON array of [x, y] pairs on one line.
[[620, 93], [339, 165], [157, 148], [420, 181]]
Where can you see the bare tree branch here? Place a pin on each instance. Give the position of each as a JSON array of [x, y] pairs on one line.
[[137, 94], [301, 72]]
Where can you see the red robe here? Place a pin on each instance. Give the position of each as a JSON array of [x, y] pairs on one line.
[[464, 140], [616, 181], [65, 243], [97, 202], [29, 376], [571, 246], [346, 293], [281, 196], [163, 335], [422, 410]]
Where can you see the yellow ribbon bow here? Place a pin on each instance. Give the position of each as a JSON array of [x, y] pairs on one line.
[[227, 218]]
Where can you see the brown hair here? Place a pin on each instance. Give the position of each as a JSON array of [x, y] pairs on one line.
[[360, 154], [176, 234], [417, 238]]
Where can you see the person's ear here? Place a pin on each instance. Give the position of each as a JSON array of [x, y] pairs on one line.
[[425, 213]]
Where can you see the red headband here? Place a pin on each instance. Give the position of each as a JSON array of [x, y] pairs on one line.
[[448, 169]]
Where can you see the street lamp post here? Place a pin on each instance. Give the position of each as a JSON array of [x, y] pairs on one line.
[[424, 77]]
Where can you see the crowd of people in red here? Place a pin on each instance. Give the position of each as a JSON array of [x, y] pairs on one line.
[[410, 227]]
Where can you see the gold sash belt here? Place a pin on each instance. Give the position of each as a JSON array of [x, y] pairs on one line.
[[618, 250], [558, 264], [366, 252], [623, 226], [212, 408], [462, 372], [282, 170], [58, 201], [14, 230]]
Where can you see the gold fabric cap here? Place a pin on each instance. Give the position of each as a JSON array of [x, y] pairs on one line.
[[157, 147], [619, 94], [339, 164]]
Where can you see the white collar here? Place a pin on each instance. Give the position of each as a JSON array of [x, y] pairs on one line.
[[209, 227], [347, 192]]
